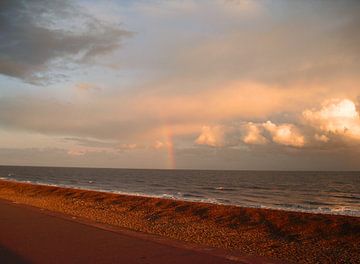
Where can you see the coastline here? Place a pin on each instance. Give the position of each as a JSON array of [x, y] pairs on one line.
[[285, 235]]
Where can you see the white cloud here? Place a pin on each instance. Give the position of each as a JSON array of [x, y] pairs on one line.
[[253, 134], [158, 144], [322, 138], [211, 136], [336, 116], [285, 134]]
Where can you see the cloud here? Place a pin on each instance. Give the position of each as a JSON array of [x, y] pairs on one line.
[[219, 136], [110, 124], [335, 117], [62, 157], [130, 146], [284, 43], [89, 142], [226, 100], [158, 144], [211, 136], [322, 138], [285, 134], [86, 87], [106, 116], [76, 152], [253, 134], [36, 35]]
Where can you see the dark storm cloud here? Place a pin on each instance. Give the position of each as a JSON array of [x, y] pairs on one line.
[[33, 34]]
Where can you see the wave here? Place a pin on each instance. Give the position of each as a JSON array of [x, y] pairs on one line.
[[189, 195], [257, 200], [315, 203], [220, 188], [346, 197]]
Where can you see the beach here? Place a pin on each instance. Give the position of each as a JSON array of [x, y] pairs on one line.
[[293, 237], [32, 235]]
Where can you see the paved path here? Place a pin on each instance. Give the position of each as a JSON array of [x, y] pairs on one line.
[[28, 235]]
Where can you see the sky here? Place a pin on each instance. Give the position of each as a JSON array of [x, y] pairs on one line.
[[192, 84]]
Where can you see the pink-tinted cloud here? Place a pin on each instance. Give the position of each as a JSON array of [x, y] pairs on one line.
[[129, 146], [337, 117], [86, 87], [211, 136], [285, 134], [158, 144], [76, 152], [321, 138], [253, 134]]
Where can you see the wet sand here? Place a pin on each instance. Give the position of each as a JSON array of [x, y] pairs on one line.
[[290, 236]]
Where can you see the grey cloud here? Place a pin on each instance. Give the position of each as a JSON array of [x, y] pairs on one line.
[[104, 119], [61, 157], [86, 142], [34, 34]]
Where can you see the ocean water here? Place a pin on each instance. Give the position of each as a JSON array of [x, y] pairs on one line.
[[318, 191]]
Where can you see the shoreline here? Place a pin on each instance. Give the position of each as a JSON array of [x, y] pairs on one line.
[[175, 198], [299, 237]]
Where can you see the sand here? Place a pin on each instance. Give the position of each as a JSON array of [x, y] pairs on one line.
[[291, 236], [31, 235]]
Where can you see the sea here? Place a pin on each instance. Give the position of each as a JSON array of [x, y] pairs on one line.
[[325, 192]]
